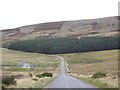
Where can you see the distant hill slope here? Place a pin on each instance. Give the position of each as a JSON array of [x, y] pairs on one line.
[[93, 27]]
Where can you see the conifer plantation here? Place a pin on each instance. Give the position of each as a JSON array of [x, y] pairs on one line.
[[66, 45]]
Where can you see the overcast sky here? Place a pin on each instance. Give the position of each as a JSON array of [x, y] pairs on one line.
[[16, 13]]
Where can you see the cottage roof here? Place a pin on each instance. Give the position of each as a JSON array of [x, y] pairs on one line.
[[23, 63]]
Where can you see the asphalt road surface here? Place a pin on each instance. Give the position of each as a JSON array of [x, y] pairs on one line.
[[66, 81]]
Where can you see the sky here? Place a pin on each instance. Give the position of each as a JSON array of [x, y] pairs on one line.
[[16, 13]]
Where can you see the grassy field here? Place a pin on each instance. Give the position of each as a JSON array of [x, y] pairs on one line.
[[80, 65], [31, 83], [84, 65], [41, 63]]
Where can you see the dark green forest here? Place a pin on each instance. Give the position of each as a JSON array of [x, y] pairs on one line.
[[66, 45]]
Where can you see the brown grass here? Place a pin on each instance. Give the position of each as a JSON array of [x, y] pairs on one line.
[[42, 63], [88, 63]]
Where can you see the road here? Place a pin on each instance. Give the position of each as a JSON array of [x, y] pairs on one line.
[[66, 81]]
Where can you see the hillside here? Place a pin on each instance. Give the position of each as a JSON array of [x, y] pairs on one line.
[[94, 27]]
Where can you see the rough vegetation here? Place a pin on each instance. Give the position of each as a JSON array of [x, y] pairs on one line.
[[46, 74], [8, 80], [98, 75]]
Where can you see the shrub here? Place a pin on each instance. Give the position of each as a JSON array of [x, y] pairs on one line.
[[39, 75], [46, 74], [98, 75], [8, 80]]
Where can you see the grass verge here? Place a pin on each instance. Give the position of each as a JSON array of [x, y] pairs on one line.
[[44, 83], [97, 83]]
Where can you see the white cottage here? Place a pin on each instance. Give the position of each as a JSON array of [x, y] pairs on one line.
[[25, 65]]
